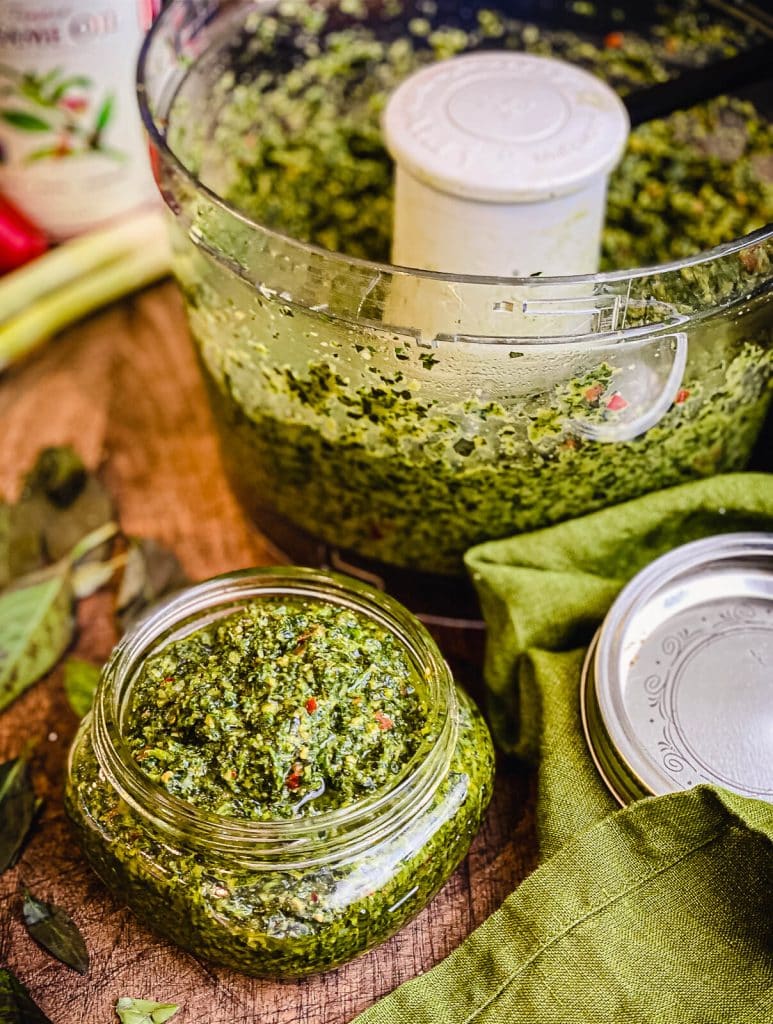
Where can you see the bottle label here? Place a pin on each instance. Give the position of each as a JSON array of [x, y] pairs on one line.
[[73, 154]]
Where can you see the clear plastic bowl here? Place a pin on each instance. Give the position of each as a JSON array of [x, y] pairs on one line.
[[382, 419]]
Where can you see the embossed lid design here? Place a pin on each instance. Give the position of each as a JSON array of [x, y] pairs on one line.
[[678, 684], [505, 127]]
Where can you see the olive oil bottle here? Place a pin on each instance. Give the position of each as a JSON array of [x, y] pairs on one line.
[[72, 149]]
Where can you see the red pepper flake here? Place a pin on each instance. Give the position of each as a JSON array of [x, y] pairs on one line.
[[750, 259], [314, 897], [311, 705], [570, 443], [168, 679], [681, 396], [293, 780], [594, 393], [616, 402], [613, 40], [384, 721]]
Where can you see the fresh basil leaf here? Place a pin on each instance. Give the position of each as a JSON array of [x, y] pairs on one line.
[[56, 932], [36, 628], [80, 683], [16, 1004], [152, 572], [18, 807], [144, 1011], [37, 621]]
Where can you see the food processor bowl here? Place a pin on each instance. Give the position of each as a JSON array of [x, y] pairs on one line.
[[379, 419]]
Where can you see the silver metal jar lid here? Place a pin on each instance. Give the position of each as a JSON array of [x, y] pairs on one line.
[[677, 687]]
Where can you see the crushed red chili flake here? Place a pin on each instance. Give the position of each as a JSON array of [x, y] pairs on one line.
[[315, 897], [384, 721], [681, 396], [311, 705], [168, 679], [614, 40], [594, 393], [750, 259], [616, 402], [293, 780]]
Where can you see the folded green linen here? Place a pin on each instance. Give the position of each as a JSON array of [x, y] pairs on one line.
[[657, 913]]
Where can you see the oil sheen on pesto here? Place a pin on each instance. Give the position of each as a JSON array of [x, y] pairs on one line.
[[287, 707]]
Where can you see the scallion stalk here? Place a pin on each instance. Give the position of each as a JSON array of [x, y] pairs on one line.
[[77, 278]]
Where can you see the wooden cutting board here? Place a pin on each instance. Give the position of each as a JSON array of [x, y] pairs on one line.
[[124, 388]]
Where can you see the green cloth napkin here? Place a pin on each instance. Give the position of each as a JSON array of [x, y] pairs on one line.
[[656, 913]]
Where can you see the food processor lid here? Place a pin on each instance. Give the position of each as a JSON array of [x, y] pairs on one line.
[[505, 127], [678, 686]]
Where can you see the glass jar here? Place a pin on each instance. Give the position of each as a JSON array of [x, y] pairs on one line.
[[388, 418], [290, 897]]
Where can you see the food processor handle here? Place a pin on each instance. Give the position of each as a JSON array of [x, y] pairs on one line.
[[648, 410]]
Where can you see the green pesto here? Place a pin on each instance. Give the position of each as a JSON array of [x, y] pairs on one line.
[[363, 440], [303, 152], [287, 707], [425, 480], [283, 920]]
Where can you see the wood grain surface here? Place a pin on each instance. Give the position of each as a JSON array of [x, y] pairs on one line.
[[124, 389]]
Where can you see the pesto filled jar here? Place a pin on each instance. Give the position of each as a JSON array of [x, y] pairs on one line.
[[278, 771]]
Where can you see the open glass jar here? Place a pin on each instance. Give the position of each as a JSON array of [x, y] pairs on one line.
[[284, 897], [384, 418]]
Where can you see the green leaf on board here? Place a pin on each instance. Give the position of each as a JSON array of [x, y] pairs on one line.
[[36, 628], [80, 684], [25, 122], [56, 932], [16, 1004], [18, 807], [144, 1011]]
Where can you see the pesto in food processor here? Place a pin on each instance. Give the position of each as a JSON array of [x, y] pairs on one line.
[[371, 442]]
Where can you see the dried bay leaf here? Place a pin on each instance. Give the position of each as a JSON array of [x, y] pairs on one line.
[[143, 1011], [152, 572], [56, 932], [90, 577], [18, 808], [67, 501], [61, 502], [36, 628], [80, 683], [16, 1004]]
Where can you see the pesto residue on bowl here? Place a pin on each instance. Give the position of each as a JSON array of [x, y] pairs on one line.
[[289, 706]]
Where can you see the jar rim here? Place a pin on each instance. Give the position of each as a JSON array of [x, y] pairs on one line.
[[354, 823]]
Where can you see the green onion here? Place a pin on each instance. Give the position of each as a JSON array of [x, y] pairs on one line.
[[77, 278]]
